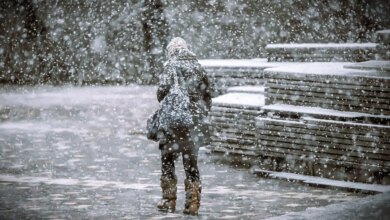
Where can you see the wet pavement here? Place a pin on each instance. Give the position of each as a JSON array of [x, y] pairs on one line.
[[79, 152]]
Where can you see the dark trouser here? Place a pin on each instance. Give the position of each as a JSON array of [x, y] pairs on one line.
[[171, 151]]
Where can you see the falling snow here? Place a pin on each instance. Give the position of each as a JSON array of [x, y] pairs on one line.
[[300, 100]]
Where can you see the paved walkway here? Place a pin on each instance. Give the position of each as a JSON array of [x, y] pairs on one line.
[[78, 153], [370, 207]]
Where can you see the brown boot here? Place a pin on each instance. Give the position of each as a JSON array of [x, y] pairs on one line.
[[193, 190], [168, 201]]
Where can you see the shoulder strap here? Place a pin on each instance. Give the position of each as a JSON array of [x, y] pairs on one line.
[[175, 78]]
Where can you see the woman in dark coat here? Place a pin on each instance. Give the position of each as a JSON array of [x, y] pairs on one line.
[[193, 79]]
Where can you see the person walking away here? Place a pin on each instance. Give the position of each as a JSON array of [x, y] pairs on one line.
[[193, 79]]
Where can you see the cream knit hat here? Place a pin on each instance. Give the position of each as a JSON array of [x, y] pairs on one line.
[[175, 45]]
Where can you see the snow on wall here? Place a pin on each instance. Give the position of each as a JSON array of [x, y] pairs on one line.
[[379, 65], [322, 68], [247, 89], [329, 182], [241, 99], [314, 110], [384, 31], [240, 63], [234, 63], [323, 46]]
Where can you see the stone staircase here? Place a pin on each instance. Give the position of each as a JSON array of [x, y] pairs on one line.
[[331, 86], [233, 120], [323, 119]]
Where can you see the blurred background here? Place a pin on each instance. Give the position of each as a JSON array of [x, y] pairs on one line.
[[123, 41]]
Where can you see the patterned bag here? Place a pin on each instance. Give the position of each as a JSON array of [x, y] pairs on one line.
[[152, 127], [175, 115]]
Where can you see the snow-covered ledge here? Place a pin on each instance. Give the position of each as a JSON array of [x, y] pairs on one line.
[[317, 52], [225, 73], [322, 46], [330, 85]]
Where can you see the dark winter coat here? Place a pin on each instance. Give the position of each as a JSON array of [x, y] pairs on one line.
[[193, 79]]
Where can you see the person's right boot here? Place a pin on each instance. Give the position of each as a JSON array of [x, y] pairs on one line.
[[168, 201], [193, 190]]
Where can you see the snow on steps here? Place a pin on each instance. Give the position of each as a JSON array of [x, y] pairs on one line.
[[233, 120], [247, 89], [321, 52], [225, 73], [378, 65], [331, 86], [241, 100], [312, 180], [325, 142], [302, 139], [340, 129], [293, 111]]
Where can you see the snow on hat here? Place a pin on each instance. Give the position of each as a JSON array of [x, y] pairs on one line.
[[175, 46]]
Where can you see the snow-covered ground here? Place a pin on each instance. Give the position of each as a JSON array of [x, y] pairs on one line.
[[79, 152], [366, 187], [371, 207]]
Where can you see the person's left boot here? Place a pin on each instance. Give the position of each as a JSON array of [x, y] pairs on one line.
[[168, 201], [193, 190]]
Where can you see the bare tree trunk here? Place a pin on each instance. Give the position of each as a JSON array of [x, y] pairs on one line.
[[34, 26], [37, 59], [155, 29], [36, 34]]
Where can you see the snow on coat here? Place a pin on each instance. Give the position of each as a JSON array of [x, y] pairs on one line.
[[192, 79]]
